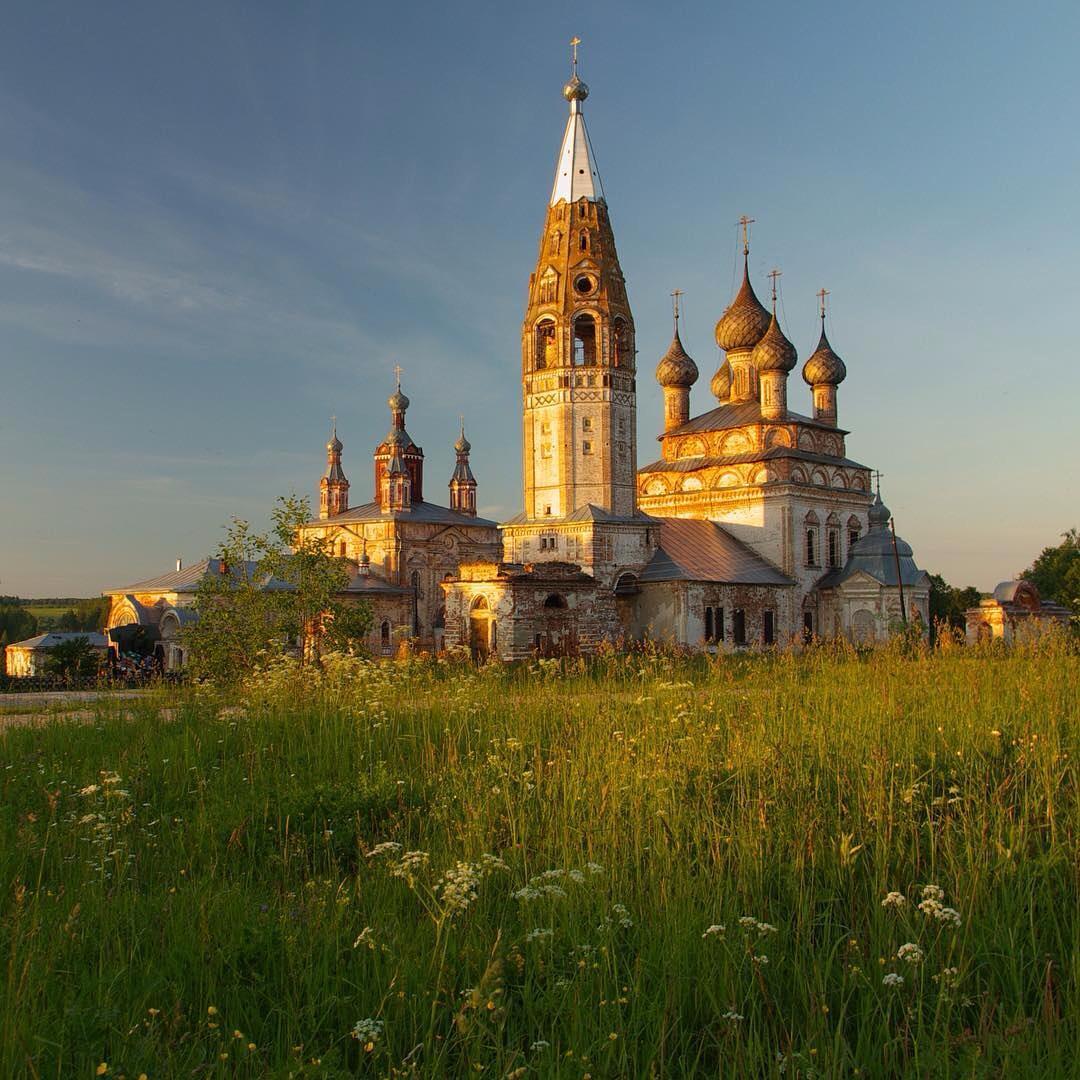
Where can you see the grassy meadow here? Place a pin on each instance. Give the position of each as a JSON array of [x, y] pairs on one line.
[[828, 865]]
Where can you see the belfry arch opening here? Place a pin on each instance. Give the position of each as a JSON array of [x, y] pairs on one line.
[[545, 344], [584, 341], [622, 344]]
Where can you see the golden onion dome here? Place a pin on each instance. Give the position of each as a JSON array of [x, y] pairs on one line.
[[745, 321], [774, 352], [462, 446], [824, 366], [334, 446], [676, 368], [721, 383], [575, 89], [397, 401]]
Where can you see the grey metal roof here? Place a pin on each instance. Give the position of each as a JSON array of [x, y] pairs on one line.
[[187, 579], [589, 512], [420, 511], [695, 550], [692, 464], [733, 416], [53, 638], [873, 555]]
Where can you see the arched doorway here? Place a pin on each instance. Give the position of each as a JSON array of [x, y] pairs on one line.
[[481, 629]]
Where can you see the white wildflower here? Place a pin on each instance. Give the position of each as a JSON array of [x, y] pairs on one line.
[[594, 868], [90, 789], [933, 892], [894, 900], [748, 922], [910, 953], [714, 931], [387, 847], [368, 1032], [733, 1016], [539, 1046], [948, 915], [760, 960], [576, 876], [538, 934], [410, 864], [457, 887], [892, 979]]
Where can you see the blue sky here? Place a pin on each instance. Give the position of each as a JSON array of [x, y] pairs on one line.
[[221, 223]]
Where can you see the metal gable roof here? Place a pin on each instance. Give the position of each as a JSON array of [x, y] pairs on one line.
[[695, 550]]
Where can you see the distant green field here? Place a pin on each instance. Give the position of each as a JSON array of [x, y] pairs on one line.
[[829, 865], [47, 611]]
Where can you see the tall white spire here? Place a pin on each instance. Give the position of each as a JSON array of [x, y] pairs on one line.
[[575, 173]]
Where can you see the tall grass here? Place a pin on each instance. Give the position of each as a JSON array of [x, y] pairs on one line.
[[210, 885]]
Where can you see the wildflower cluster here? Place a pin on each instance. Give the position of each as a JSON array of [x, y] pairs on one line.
[[933, 907], [367, 1033], [551, 883]]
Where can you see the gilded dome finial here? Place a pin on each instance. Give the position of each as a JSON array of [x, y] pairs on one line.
[[676, 367], [745, 319], [824, 367], [575, 90]]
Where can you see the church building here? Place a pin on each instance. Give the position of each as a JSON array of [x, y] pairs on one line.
[[753, 528]]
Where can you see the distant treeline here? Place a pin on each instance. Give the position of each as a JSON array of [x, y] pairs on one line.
[[22, 618]]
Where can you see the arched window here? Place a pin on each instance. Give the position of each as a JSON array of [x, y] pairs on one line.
[[556, 602], [622, 344], [854, 531], [545, 344], [415, 578], [584, 340], [480, 604], [384, 634], [834, 547], [811, 546], [583, 240]]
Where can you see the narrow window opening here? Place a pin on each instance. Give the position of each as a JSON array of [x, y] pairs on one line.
[[738, 621], [768, 628]]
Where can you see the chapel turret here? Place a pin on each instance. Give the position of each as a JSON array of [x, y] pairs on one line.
[[823, 372], [462, 482], [399, 445], [334, 485], [578, 357]]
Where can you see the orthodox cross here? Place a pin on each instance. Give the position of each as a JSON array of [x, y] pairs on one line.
[[746, 222], [877, 474], [774, 275], [574, 43], [333, 426], [675, 297], [397, 372], [461, 417], [822, 293]]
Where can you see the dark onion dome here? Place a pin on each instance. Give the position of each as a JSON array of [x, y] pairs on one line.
[[721, 382], [823, 365], [745, 321], [774, 352], [676, 368], [575, 90], [879, 514]]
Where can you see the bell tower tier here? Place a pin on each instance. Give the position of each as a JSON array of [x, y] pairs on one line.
[[577, 348]]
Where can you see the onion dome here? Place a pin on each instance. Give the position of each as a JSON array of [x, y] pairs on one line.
[[879, 513], [334, 446], [397, 401], [462, 446], [676, 368], [745, 321], [575, 89], [823, 365], [721, 382], [774, 352]]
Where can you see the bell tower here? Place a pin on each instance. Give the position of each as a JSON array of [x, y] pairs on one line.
[[577, 346]]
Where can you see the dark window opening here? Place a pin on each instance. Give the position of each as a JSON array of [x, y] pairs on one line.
[[811, 547], [384, 635], [545, 345], [584, 340], [853, 537], [808, 626], [555, 601], [738, 621], [583, 284], [719, 624], [834, 547], [768, 629], [708, 624], [583, 241]]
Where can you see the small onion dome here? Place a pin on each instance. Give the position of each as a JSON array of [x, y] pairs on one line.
[[676, 368], [575, 90], [879, 513], [823, 365], [745, 321], [397, 401], [334, 446], [721, 382], [462, 446], [774, 352]]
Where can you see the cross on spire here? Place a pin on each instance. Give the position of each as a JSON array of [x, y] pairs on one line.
[[746, 222], [333, 426], [877, 474], [774, 276], [574, 43], [676, 296], [822, 293], [397, 373]]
